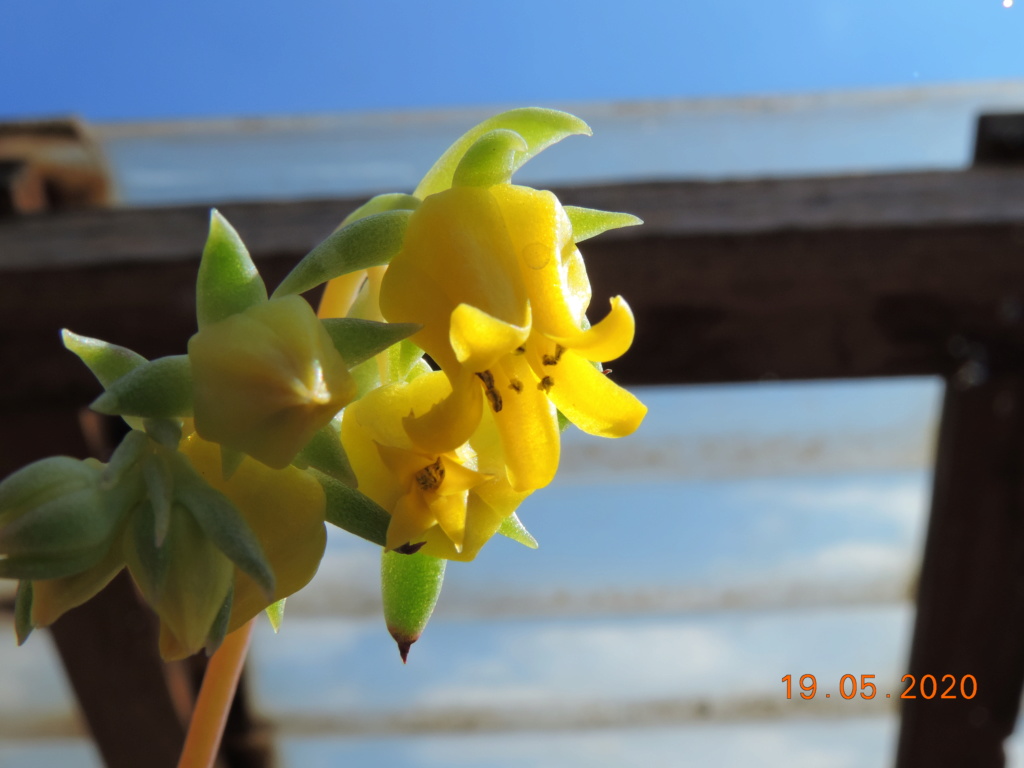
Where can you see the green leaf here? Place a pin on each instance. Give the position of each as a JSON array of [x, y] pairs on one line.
[[365, 243], [410, 586], [132, 448], [539, 127], [490, 160], [350, 510], [358, 340], [108, 362], [326, 453], [23, 611], [221, 521], [159, 389], [228, 281], [49, 566], [392, 201], [590, 222], [512, 527], [275, 612]]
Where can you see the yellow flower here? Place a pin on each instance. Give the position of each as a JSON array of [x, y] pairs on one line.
[[450, 502], [494, 276], [267, 379]]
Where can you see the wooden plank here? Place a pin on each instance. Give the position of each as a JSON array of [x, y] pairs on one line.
[[970, 616]]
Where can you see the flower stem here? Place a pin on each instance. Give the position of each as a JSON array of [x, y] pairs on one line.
[[215, 697]]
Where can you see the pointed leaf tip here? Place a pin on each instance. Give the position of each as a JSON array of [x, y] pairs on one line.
[[228, 281]]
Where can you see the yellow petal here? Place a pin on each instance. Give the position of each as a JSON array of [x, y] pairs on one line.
[[410, 519], [456, 251], [480, 340], [51, 598], [458, 477], [609, 339], [528, 425], [450, 512], [450, 422], [482, 522], [592, 401], [340, 293], [267, 379]]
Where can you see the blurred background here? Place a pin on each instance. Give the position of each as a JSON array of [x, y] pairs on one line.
[[758, 525]]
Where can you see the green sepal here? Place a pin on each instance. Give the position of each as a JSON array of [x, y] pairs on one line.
[[358, 340], [159, 480], [221, 521], [365, 243], [167, 432], [230, 460], [148, 561], [563, 421], [160, 389], [49, 566], [410, 586], [108, 362], [352, 511], [391, 201], [512, 527], [539, 127], [326, 454], [23, 611], [228, 281], [219, 628], [590, 222], [490, 160], [402, 359], [275, 612], [125, 457]]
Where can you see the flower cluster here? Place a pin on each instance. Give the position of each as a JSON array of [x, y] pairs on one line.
[[278, 420]]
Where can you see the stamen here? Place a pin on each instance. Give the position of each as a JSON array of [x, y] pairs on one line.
[[493, 396], [546, 384], [516, 385], [431, 476]]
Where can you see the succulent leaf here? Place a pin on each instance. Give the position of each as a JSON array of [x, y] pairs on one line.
[[391, 201], [512, 527], [350, 510], [159, 389], [590, 222], [410, 586], [490, 160], [358, 340], [228, 281], [368, 242], [325, 453], [539, 127]]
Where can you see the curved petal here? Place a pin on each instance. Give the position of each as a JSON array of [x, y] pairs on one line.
[[592, 401], [528, 424], [480, 340], [450, 513], [611, 338], [410, 519], [451, 421]]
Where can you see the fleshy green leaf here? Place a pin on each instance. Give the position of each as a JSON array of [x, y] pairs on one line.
[[392, 201], [512, 527], [590, 222], [539, 127], [359, 340], [108, 362], [275, 612], [221, 521], [410, 586], [148, 562], [325, 453], [160, 491], [228, 281], [490, 160], [23, 611], [350, 510], [159, 389], [365, 243]]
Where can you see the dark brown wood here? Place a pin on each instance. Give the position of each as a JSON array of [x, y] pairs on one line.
[[970, 609], [109, 650]]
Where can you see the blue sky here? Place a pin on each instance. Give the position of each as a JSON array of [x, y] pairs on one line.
[[122, 59]]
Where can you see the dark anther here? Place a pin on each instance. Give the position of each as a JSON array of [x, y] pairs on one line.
[[546, 383], [516, 385], [409, 548], [431, 476], [493, 396]]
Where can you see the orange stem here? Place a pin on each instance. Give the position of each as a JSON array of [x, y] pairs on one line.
[[215, 697]]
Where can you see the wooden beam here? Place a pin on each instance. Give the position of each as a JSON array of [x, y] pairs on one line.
[[970, 612]]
